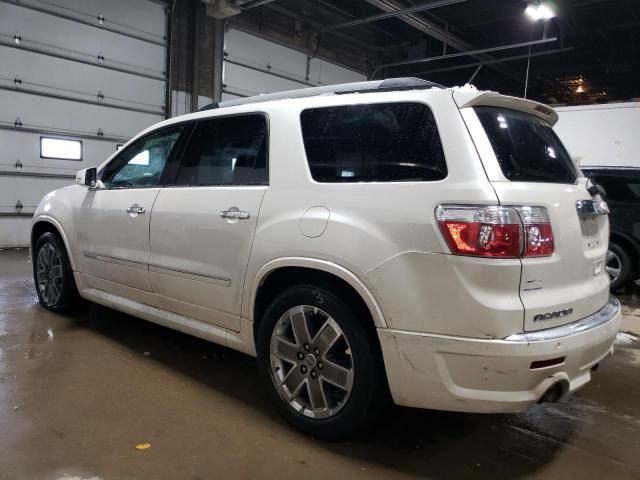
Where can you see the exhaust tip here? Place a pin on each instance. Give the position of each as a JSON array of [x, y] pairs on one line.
[[554, 393]]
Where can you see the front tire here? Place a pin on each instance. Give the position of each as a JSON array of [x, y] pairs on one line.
[[318, 363], [619, 266], [55, 285]]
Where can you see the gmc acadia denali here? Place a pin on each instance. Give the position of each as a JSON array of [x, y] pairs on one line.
[[387, 237]]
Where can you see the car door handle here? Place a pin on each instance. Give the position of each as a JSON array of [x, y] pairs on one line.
[[234, 213], [135, 209]]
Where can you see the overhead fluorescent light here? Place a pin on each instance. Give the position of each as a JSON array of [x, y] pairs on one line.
[[60, 148]]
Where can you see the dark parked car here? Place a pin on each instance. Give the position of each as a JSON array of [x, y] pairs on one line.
[[622, 185]]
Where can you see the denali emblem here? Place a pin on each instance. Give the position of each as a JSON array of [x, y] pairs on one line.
[[551, 315]]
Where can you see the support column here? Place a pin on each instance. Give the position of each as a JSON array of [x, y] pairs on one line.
[[195, 52], [218, 59]]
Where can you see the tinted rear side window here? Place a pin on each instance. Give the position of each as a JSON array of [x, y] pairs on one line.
[[527, 148], [226, 151], [389, 142]]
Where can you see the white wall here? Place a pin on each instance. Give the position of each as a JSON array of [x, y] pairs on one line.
[[601, 134]]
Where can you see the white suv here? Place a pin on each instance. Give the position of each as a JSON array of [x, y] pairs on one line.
[[363, 239]]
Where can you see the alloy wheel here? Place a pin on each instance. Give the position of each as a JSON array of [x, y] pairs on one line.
[[49, 274], [311, 363]]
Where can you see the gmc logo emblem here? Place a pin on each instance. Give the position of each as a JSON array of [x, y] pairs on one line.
[[551, 315]]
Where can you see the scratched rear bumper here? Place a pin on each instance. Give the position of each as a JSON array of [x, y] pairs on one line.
[[484, 375]]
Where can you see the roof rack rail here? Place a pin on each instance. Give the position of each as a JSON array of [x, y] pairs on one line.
[[390, 84]]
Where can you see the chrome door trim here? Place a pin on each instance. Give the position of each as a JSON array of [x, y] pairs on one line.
[[200, 277], [116, 260], [225, 282]]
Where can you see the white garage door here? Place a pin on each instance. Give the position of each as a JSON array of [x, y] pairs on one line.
[[253, 65], [77, 78]]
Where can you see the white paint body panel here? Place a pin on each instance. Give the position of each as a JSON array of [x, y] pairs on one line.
[[199, 258], [570, 278], [117, 241], [429, 306]]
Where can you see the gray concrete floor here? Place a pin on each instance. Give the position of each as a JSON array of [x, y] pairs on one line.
[[78, 393]]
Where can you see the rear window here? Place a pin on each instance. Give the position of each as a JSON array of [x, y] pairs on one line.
[[388, 142], [527, 148]]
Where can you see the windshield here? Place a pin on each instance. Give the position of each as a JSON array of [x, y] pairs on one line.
[[527, 148]]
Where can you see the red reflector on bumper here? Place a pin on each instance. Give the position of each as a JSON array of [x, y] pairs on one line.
[[546, 363]]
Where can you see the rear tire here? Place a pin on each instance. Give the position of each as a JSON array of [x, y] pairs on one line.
[[53, 277], [318, 364], [619, 266]]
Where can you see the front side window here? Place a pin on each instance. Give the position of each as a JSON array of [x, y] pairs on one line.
[[527, 148], [226, 151], [386, 142], [141, 164]]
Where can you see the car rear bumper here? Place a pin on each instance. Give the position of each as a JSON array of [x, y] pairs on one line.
[[495, 375]]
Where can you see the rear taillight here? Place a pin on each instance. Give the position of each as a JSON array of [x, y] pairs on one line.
[[537, 229], [496, 231]]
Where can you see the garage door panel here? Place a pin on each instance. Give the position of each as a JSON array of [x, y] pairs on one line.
[[249, 82], [25, 147], [326, 73], [254, 51], [51, 31], [28, 190], [54, 75], [229, 96], [78, 117], [139, 16], [254, 65], [66, 91], [15, 232]]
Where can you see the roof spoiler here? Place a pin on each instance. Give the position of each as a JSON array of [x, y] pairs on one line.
[[492, 99]]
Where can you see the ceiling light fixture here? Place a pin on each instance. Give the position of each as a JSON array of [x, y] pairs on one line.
[[537, 10]]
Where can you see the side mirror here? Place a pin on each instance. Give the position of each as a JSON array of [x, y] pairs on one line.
[[87, 177]]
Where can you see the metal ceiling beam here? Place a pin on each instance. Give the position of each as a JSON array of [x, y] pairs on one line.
[[471, 53], [423, 25], [396, 13], [342, 12], [435, 31], [253, 4], [496, 60], [316, 26]]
